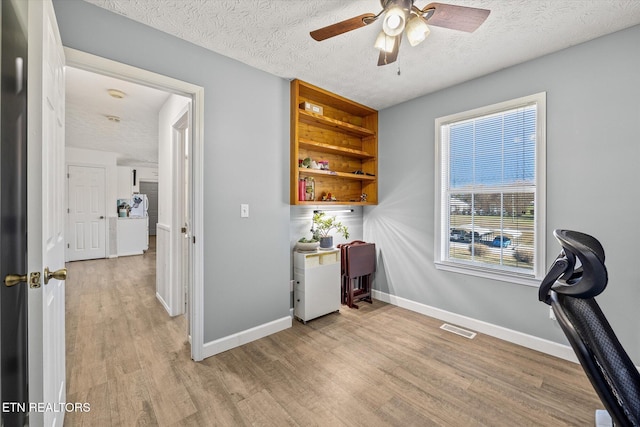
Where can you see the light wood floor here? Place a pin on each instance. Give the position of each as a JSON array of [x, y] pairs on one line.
[[377, 366]]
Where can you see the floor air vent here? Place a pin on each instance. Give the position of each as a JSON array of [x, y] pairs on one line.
[[458, 331]]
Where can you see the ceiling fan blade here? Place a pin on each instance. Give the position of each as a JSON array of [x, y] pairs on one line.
[[343, 26], [385, 57], [459, 18]]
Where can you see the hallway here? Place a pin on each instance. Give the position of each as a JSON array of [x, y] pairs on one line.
[[122, 347]]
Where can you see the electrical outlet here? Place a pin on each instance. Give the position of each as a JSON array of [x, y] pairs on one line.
[[552, 315], [244, 210]]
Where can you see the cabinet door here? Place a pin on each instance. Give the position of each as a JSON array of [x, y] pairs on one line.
[[132, 236], [125, 182], [321, 285], [323, 290]]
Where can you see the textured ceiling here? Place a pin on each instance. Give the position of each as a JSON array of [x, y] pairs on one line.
[[273, 35], [134, 138]]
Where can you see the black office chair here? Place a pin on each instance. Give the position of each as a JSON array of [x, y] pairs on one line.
[[574, 279]]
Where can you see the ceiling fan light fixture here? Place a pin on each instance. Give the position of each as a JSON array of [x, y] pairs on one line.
[[394, 21], [400, 16], [385, 42], [417, 30]]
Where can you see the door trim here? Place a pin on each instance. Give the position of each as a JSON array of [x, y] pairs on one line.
[[178, 268], [89, 62]]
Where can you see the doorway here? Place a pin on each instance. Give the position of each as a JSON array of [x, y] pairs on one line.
[[151, 190], [99, 65]]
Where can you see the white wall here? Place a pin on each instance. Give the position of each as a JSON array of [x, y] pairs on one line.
[[125, 182], [166, 153], [301, 220], [593, 111], [125, 179], [168, 237], [145, 174]]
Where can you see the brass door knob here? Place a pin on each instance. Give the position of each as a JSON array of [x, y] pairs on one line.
[[58, 274], [14, 279]]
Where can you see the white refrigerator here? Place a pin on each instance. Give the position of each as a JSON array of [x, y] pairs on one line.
[[139, 206]]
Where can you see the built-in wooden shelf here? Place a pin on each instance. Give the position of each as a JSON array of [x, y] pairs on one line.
[[332, 149], [346, 175], [336, 202], [329, 123], [345, 135]]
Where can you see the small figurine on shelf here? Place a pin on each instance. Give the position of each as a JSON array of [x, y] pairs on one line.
[[363, 197], [328, 198], [306, 163]]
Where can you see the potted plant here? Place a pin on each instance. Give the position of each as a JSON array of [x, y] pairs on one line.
[[323, 225], [307, 245]]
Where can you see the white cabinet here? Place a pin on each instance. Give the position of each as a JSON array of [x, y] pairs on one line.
[[133, 236], [125, 182], [317, 284]]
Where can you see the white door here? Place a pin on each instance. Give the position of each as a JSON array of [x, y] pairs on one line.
[[45, 218], [181, 216], [86, 224], [184, 201]]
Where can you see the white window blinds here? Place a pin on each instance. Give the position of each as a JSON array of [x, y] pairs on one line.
[[488, 189]]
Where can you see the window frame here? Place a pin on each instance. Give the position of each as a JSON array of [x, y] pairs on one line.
[[442, 208]]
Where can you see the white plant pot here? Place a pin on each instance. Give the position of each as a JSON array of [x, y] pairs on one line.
[[307, 247]]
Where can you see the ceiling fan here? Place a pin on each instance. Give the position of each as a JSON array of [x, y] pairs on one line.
[[403, 16]]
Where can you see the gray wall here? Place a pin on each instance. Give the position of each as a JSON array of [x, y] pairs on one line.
[[593, 149], [246, 265]]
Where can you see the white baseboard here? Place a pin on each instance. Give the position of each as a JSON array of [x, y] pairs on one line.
[[164, 304], [535, 343], [236, 340]]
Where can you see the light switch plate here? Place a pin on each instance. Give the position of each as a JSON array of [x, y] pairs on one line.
[[244, 210]]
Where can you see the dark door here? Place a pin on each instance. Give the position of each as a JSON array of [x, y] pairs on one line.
[[151, 190], [13, 215]]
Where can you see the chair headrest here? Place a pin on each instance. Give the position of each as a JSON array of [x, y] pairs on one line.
[[585, 281]]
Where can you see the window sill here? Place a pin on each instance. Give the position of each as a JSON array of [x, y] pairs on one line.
[[488, 274]]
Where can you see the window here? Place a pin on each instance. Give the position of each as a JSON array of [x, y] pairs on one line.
[[490, 181]]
